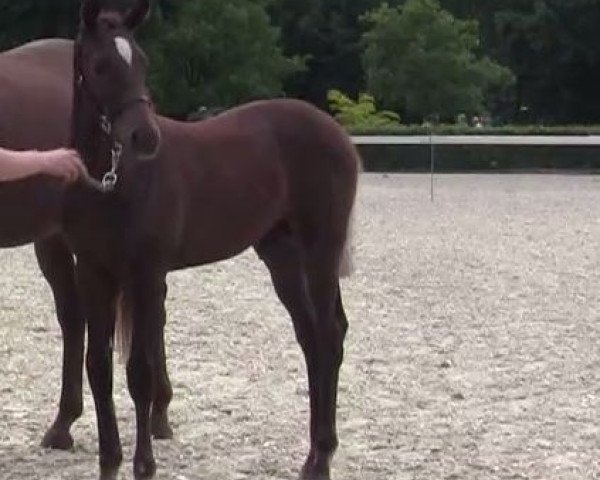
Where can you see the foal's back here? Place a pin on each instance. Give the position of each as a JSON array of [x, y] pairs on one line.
[[244, 172]]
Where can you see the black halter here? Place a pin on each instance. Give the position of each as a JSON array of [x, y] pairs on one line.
[[107, 118]]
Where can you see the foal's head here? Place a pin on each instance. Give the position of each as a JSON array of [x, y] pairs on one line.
[[110, 71]]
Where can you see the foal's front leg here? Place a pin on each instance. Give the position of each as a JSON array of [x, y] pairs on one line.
[[98, 296], [148, 289]]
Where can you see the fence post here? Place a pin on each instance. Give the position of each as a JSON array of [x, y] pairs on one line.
[[432, 160]]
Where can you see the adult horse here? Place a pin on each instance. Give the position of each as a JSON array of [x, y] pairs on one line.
[[279, 176], [35, 105], [35, 102]]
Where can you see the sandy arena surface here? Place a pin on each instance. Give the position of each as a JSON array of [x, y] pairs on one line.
[[473, 350]]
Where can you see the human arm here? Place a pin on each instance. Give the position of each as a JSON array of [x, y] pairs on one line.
[[62, 163]]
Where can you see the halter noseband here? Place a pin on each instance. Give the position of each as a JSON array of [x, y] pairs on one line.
[[109, 179]]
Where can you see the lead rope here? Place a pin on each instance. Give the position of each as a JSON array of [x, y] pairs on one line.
[[110, 178]]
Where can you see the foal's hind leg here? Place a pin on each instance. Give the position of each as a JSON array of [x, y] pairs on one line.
[[282, 254], [164, 392], [56, 263], [330, 330]]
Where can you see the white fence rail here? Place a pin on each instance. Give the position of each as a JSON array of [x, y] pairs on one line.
[[516, 140], [506, 140]]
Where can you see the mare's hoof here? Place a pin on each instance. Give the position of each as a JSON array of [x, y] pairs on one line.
[[143, 469], [161, 429], [57, 439]]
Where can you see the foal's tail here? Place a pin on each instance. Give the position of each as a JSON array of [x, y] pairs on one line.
[[346, 268], [123, 326]]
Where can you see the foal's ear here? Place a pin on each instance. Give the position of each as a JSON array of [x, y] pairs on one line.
[[137, 14], [90, 9]]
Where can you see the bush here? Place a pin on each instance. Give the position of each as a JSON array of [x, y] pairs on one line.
[[360, 114]]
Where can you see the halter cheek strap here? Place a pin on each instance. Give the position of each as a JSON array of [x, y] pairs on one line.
[[108, 118], [110, 178]]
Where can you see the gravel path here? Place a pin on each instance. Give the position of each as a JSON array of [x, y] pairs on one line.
[[472, 353]]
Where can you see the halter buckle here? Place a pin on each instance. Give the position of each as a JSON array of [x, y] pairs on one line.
[[105, 124], [109, 180]]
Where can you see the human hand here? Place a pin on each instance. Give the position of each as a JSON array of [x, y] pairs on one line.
[[62, 163]]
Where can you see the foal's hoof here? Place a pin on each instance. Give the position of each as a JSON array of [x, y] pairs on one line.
[[161, 430], [57, 439], [143, 469], [310, 474], [313, 476], [313, 469], [109, 473]]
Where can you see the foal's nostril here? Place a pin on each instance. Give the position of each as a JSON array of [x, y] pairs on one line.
[[135, 140], [144, 141]]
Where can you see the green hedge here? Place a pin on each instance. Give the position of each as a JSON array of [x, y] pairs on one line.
[[416, 158]]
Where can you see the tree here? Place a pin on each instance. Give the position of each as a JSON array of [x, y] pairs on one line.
[[553, 46], [27, 20], [214, 53], [326, 33], [422, 61]]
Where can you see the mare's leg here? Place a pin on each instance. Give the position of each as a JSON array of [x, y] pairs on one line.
[[98, 294], [56, 262], [148, 290], [283, 256]]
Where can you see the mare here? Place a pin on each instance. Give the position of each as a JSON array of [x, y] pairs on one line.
[[279, 176], [36, 101]]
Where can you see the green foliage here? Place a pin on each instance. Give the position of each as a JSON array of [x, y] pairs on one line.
[[553, 46], [420, 60], [327, 34], [362, 113], [25, 20], [214, 53]]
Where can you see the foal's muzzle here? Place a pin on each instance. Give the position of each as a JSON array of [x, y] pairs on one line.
[[137, 130], [145, 141]]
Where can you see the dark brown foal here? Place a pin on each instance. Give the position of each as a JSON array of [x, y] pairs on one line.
[[277, 175]]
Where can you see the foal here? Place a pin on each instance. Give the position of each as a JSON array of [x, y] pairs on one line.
[[279, 176]]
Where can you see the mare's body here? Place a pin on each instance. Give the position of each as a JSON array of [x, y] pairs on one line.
[[36, 97], [35, 100]]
